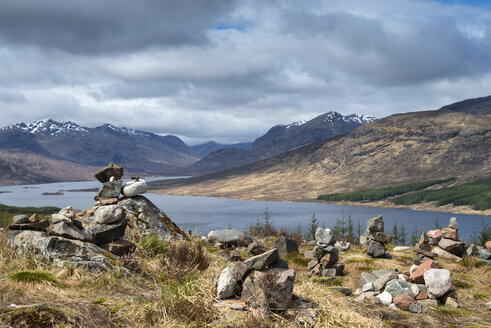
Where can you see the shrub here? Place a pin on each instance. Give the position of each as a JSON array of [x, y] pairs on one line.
[[184, 258], [154, 245], [131, 262]]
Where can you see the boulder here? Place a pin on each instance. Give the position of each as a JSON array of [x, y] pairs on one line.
[[366, 277], [108, 214], [380, 283], [375, 249], [453, 223], [262, 261], [318, 252], [112, 170], [241, 270], [280, 264], [106, 233], [227, 284], [68, 230], [404, 301], [285, 245], [417, 276], [255, 248], [443, 253], [60, 251], [376, 224], [385, 298], [324, 236], [383, 238], [452, 246], [471, 250], [134, 188], [37, 226], [416, 308], [270, 288], [342, 246], [438, 282], [21, 218], [328, 272], [119, 247], [226, 236], [450, 233], [396, 287], [339, 267], [146, 218], [484, 254], [110, 189]]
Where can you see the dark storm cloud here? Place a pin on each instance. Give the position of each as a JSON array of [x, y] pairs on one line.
[[95, 26]]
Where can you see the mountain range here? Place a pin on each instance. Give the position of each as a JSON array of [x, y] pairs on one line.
[[454, 141]]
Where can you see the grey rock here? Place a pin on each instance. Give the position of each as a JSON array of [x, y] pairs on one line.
[[271, 288], [146, 218], [376, 224], [385, 298], [37, 226], [227, 284], [339, 267], [68, 212], [363, 240], [255, 248], [363, 296], [453, 223], [55, 218], [484, 254], [413, 268], [331, 257], [262, 261], [416, 308], [106, 233], [438, 282], [111, 170], [381, 272], [61, 251], [403, 277], [368, 287], [471, 250], [397, 287], [329, 272], [380, 283], [318, 252], [342, 246], [488, 305], [400, 248], [110, 189], [68, 230], [375, 249], [452, 246], [324, 236], [392, 306], [134, 188], [21, 218], [226, 236], [451, 302], [285, 245], [366, 277], [108, 214], [383, 238], [241, 270], [443, 253], [428, 304]]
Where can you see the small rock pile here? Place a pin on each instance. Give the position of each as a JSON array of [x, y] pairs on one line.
[[325, 254], [375, 237], [427, 286], [87, 238], [485, 252]]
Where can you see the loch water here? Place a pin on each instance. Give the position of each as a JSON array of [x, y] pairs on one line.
[[202, 214]]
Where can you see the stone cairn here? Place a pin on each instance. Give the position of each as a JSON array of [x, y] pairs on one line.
[[325, 256], [375, 237], [84, 237]]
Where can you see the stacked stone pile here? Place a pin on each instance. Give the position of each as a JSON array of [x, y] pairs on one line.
[[375, 237], [88, 237], [428, 286], [485, 252], [325, 256]]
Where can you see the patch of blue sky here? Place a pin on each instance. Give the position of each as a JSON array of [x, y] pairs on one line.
[[230, 27]]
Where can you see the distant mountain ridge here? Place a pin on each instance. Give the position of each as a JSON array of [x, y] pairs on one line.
[[480, 106], [281, 138], [204, 149]]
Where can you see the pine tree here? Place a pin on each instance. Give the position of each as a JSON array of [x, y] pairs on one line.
[[314, 224], [395, 234], [402, 235], [415, 236], [437, 224], [358, 232], [349, 229]]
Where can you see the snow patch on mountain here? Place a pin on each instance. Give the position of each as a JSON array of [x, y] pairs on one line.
[[50, 127]]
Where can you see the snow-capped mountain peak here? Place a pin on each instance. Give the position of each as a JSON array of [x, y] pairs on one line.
[[362, 119], [294, 124], [50, 127]]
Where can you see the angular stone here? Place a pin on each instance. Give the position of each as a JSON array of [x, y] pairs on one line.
[[380, 283], [385, 298], [383, 238], [318, 252], [450, 233], [339, 267], [422, 295], [119, 247], [404, 301], [453, 223], [366, 277], [262, 261], [324, 236], [108, 214], [396, 287], [285, 245], [376, 224], [134, 188], [484, 254], [413, 268], [471, 250], [381, 272], [241, 270], [311, 265], [330, 258], [38, 226], [363, 240], [403, 277], [226, 236], [112, 170], [368, 287], [270, 288], [417, 276], [438, 282], [21, 218], [375, 249], [416, 308], [361, 298], [487, 245], [106, 233], [308, 254], [68, 230], [329, 272], [110, 189], [108, 201], [452, 246], [227, 284], [55, 218], [342, 246], [429, 304], [451, 302], [443, 253], [316, 271], [437, 234], [255, 248], [68, 212], [424, 252], [424, 242]]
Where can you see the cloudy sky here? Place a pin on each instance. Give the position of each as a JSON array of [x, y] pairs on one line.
[[228, 70]]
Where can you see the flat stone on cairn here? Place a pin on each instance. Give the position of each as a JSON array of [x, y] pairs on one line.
[[134, 188], [112, 170]]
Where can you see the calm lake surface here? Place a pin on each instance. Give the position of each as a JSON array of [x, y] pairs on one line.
[[203, 214]]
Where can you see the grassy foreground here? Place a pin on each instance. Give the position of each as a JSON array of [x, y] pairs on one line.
[[165, 292]]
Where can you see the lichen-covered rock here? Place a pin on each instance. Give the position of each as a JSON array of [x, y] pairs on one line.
[[366, 277], [108, 214], [375, 249], [264, 260], [111, 170], [105, 233], [61, 251], [452, 246], [380, 283], [146, 218], [376, 224], [324, 236], [438, 282], [68, 230], [285, 245], [383, 238], [269, 288], [396, 287], [110, 189], [226, 236]]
